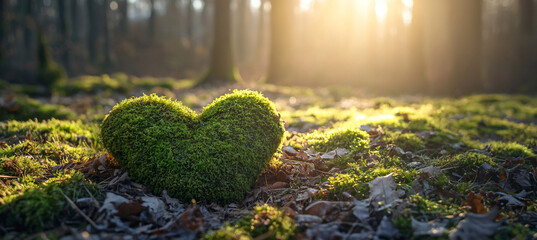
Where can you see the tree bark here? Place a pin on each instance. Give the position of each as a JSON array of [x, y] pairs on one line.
[[65, 33], [222, 68], [93, 30], [28, 29], [124, 17], [242, 30], [190, 22], [151, 26], [417, 76], [3, 32], [526, 49], [75, 21], [280, 60], [107, 50], [466, 43]]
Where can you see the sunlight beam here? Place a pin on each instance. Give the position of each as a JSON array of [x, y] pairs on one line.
[[381, 10]]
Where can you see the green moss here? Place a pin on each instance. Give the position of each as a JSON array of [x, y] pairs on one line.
[[510, 149], [356, 180], [515, 231], [33, 158], [265, 219], [74, 132], [424, 205], [214, 156], [409, 142], [228, 233], [352, 139], [25, 108], [38, 208], [464, 161]]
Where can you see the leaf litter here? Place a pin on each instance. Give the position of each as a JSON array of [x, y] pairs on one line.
[[498, 196]]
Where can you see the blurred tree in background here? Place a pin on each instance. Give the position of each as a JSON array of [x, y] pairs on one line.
[[385, 46]]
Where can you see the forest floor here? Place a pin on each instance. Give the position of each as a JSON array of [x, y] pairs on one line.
[[351, 167]]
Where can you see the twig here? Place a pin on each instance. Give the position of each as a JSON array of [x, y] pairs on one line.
[[92, 198], [8, 177], [264, 236], [73, 205]]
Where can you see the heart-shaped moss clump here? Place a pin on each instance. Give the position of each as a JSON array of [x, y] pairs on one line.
[[214, 156]]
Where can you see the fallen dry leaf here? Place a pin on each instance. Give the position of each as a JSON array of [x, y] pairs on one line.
[[476, 226], [382, 191], [474, 201]]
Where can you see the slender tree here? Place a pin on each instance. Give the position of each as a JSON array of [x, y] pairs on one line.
[[123, 7], [106, 30], [222, 68], [75, 20], [190, 22], [260, 43], [526, 48], [466, 40], [152, 25], [65, 33], [242, 30], [93, 29], [280, 60], [28, 28], [417, 57], [3, 30]]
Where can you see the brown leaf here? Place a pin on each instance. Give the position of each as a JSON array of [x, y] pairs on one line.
[[279, 185], [301, 155], [126, 210], [474, 201]]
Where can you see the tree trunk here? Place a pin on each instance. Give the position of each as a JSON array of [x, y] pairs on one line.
[[260, 43], [3, 32], [466, 43], [280, 60], [190, 22], [151, 26], [107, 50], [65, 34], [28, 32], [526, 49], [93, 30], [242, 30], [75, 21], [222, 68], [417, 67], [124, 17]]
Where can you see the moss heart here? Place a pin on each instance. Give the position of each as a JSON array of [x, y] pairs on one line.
[[214, 156]]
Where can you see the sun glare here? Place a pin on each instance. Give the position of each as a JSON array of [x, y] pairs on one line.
[[198, 5], [408, 3], [255, 4], [407, 17], [381, 10], [305, 5]]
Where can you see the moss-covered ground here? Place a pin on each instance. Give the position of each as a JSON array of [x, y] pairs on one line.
[[449, 158]]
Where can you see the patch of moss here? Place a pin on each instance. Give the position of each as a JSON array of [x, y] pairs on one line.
[[464, 161], [510, 149], [42, 207], [266, 219], [409, 142], [357, 179], [118, 82], [25, 108], [515, 231], [214, 156], [74, 132], [424, 205], [228, 233], [33, 158], [354, 140]]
